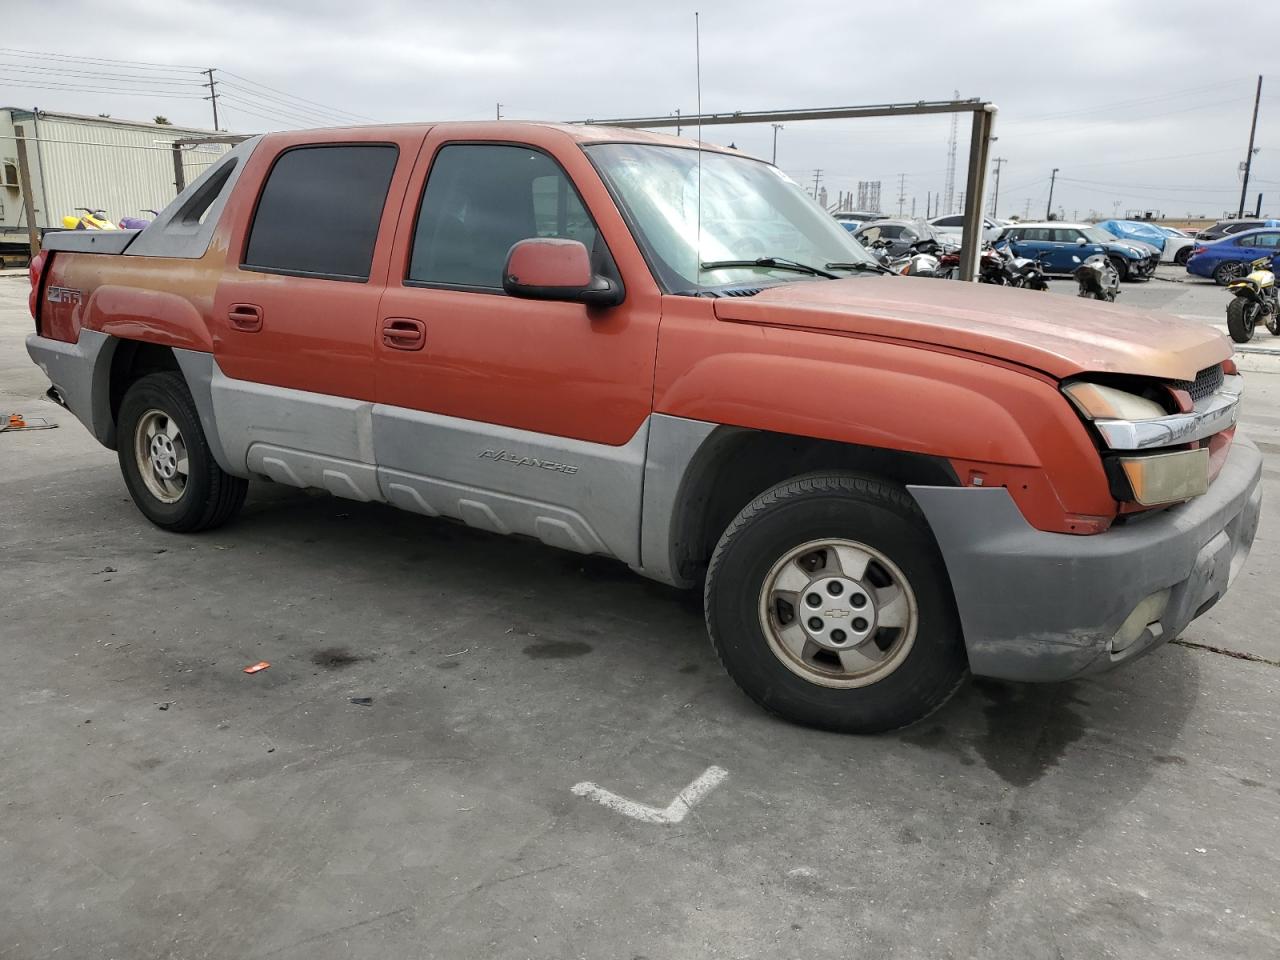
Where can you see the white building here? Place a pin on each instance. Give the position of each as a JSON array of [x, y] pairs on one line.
[[119, 166]]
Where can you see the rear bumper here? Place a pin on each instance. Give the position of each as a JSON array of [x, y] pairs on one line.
[[82, 373], [1048, 606]]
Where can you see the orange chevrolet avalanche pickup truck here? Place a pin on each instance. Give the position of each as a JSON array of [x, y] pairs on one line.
[[623, 345]]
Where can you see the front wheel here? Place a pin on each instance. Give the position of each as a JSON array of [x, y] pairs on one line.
[[166, 461], [1122, 267], [828, 602], [1180, 258], [1242, 318]]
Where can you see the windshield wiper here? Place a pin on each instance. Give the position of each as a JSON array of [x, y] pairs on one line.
[[776, 263], [861, 267]]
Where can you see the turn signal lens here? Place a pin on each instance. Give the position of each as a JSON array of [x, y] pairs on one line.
[[1107, 403], [1167, 477]]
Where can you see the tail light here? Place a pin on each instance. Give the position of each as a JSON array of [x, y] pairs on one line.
[[36, 273], [1196, 251]]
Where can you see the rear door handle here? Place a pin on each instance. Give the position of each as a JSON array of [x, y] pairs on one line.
[[245, 316], [404, 333]]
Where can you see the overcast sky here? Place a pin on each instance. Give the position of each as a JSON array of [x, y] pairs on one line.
[[1142, 104]]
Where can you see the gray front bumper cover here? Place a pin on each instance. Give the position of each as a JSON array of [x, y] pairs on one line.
[[1045, 606]]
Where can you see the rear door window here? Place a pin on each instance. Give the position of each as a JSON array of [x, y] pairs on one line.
[[949, 222], [319, 211]]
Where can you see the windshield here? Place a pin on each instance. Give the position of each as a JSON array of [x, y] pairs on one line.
[[1098, 235], [749, 211]]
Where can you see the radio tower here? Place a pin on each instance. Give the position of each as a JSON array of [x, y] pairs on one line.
[[949, 195]]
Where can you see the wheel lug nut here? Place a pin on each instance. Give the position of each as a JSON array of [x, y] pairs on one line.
[[859, 624], [813, 600], [858, 600], [835, 589], [837, 636], [815, 623]]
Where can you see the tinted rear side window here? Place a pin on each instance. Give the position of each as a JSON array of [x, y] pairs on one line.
[[319, 211]]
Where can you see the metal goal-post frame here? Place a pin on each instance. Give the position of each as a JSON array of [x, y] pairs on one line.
[[984, 115]]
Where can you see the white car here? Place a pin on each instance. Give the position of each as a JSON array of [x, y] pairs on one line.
[[953, 226], [1177, 246]]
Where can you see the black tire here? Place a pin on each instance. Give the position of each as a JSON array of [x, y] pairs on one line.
[[1242, 319], [210, 496], [1182, 256], [870, 512], [1122, 267], [1225, 272]]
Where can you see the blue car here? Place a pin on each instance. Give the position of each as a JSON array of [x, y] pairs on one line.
[[1224, 260], [1061, 247]]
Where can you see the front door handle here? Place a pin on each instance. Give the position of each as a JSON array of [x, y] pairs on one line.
[[245, 316], [404, 333]]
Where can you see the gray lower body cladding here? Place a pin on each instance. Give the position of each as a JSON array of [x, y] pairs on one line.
[[81, 372], [1048, 606]]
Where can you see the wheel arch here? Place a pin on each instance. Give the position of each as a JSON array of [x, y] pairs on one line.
[[728, 467]]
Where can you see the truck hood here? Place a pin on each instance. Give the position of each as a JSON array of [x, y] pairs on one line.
[[1061, 336]]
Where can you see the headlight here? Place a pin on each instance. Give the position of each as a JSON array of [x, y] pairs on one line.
[[1107, 403]]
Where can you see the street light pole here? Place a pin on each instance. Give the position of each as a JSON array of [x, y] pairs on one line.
[[776, 128], [1048, 210]]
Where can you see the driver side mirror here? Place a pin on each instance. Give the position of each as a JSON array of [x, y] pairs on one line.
[[1081, 242], [548, 268]]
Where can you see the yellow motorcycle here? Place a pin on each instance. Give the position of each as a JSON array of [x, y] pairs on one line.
[[1253, 301], [90, 220]]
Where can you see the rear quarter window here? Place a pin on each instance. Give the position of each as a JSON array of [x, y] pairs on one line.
[[319, 211]]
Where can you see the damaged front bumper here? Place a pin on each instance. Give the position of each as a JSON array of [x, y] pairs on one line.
[[1050, 606]]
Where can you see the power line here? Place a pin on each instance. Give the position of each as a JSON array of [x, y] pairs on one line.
[[139, 64], [79, 88], [1112, 105], [293, 97], [311, 113], [281, 112], [98, 74]]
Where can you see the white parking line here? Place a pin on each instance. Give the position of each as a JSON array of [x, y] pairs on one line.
[[674, 812]]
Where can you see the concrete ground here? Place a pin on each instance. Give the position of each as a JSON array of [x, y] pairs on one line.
[[155, 801]]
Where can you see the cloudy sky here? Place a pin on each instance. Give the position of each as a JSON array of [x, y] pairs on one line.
[[1141, 105]]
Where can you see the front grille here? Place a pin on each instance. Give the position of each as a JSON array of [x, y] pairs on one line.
[[1207, 382]]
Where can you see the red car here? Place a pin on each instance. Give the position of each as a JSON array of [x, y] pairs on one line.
[[623, 345]]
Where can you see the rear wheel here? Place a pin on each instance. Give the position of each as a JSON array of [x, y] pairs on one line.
[[828, 602], [1242, 318], [166, 461], [1228, 271]]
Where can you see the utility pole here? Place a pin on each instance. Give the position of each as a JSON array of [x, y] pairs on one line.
[[913, 208], [817, 178], [928, 199], [902, 191], [995, 199], [1248, 157], [678, 127], [499, 111], [213, 95], [1026, 213], [776, 128], [1048, 207]]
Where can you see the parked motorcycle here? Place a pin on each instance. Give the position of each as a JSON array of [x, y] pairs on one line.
[[1000, 265], [1253, 301], [920, 260], [89, 220], [1097, 278], [137, 223]]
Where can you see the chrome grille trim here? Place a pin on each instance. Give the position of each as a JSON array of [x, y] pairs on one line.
[[1211, 415]]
